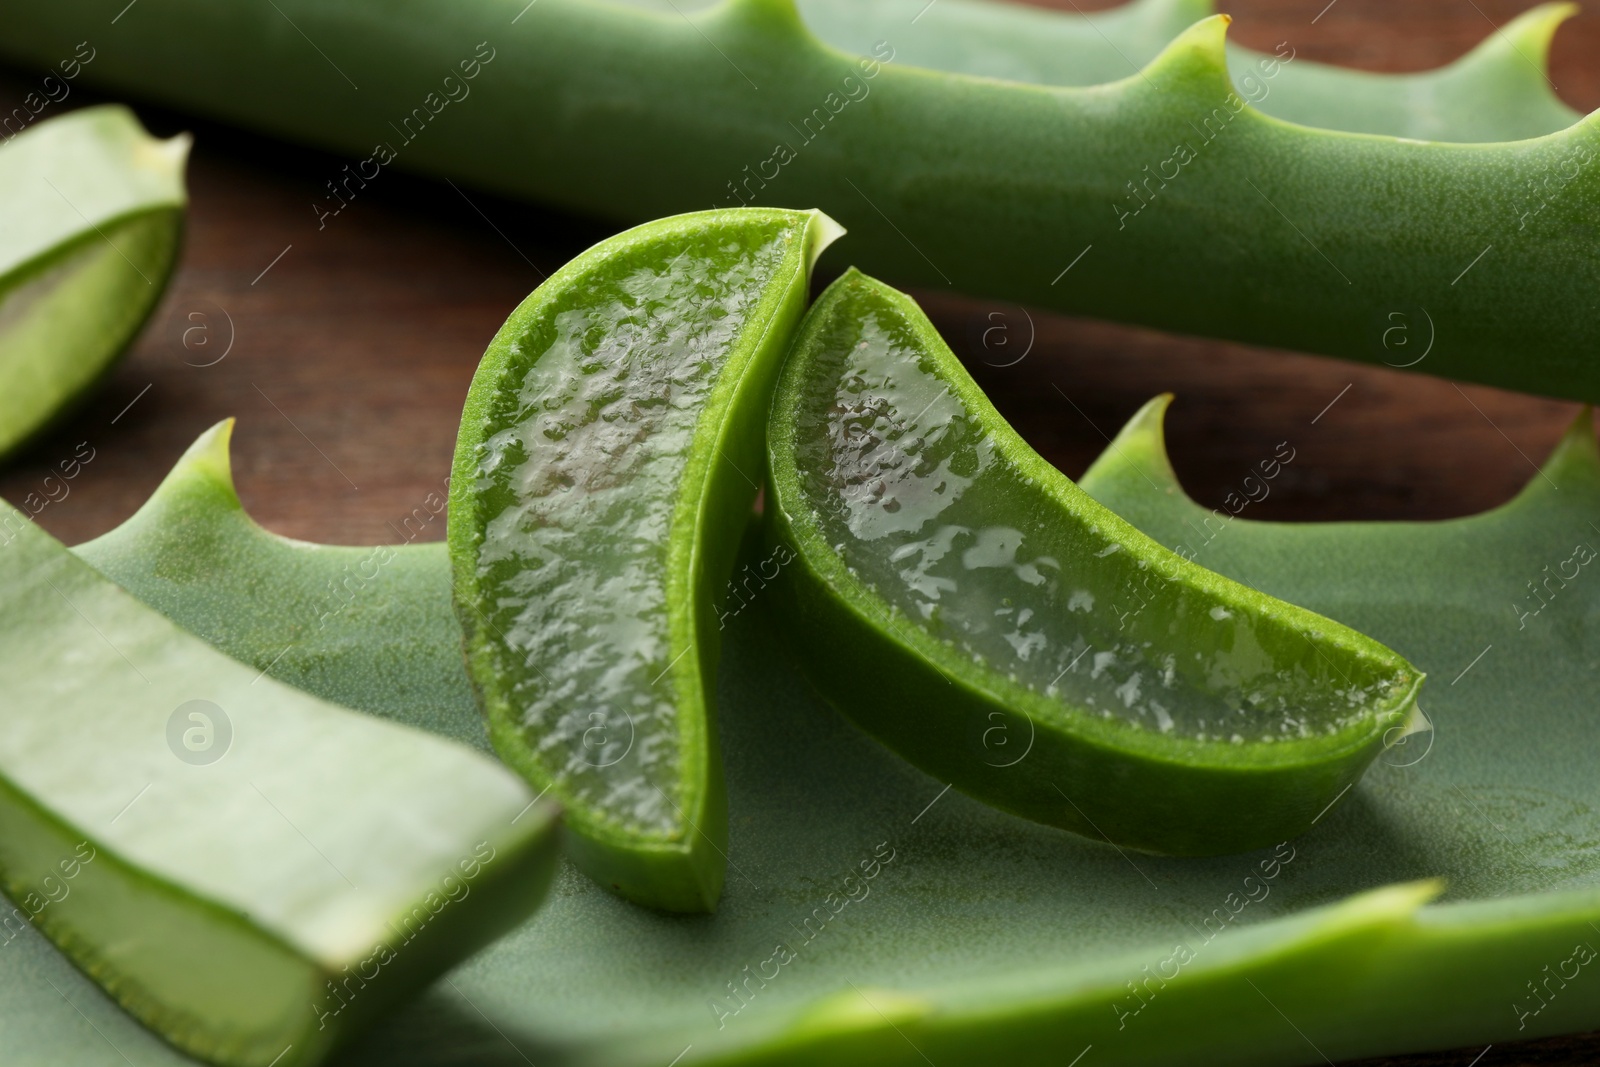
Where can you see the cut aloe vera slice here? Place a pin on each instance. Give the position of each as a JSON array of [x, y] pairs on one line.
[[608, 457], [252, 872], [963, 601], [91, 211]]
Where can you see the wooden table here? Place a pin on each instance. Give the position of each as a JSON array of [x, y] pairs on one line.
[[345, 353]]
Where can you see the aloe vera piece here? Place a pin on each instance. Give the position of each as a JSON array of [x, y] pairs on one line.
[[1307, 240], [603, 475], [986, 937], [91, 212], [254, 873], [1497, 92], [968, 605]]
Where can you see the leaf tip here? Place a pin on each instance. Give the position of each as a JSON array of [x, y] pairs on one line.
[[176, 148], [1197, 57], [165, 156], [1577, 453], [208, 460], [1528, 36], [780, 15], [1208, 35], [824, 230], [1140, 448]]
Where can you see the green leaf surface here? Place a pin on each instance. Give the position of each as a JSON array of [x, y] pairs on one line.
[[979, 937], [254, 873], [91, 213], [963, 601], [604, 473], [1106, 200], [1500, 91]]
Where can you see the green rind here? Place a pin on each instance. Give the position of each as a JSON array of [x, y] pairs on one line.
[[1499, 91], [199, 905], [931, 702], [89, 237], [1307, 239], [997, 940], [683, 871]]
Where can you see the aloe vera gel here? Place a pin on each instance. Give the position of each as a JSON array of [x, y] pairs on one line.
[[1140, 696], [91, 215], [252, 872], [607, 460], [929, 512]]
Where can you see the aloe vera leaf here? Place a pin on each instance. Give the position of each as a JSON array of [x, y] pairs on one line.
[[91, 213], [367, 627], [986, 937], [965, 603], [1307, 240], [252, 872], [1497, 92], [604, 473]]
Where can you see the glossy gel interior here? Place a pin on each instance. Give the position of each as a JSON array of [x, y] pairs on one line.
[[580, 489], [218, 850], [926, 507]]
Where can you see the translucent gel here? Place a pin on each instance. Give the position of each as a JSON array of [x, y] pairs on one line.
[[928, 512], [579, 490]]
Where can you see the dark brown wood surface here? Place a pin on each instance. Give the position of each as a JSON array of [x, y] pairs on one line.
[[348, 351]]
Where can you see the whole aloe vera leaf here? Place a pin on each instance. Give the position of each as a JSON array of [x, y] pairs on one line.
[[985, 938], [965, 602], [1107, 200], [91, 213], [253, 872], [1497, 92], [604, 473]]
